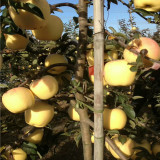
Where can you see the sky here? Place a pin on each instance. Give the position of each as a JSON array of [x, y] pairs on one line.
[[112, 16]]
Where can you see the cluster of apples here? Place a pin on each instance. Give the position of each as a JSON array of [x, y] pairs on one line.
[[37, 113], [19, 153], [49, 28], [129, 147], [117, 71], [20, 99]]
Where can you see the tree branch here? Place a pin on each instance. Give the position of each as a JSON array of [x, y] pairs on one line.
[[115, 148], [54, 6]]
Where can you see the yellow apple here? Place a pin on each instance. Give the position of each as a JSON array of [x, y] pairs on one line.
[[148, 5], [90, 56], [114, 119], [40, 115], [126, 148], [18, 154], [44, 88], [27, 20], [134, 28], [91, 77], [139, 44], [118, 73], [92, 138], [145, 144], [54, 59], [38, 67], [156, 148], [73, 113], [112, 56], [52, 31], [1, 61], [36, 136], [18, 99], [16, 41]]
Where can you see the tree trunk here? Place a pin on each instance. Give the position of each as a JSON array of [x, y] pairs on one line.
[[98, 78], [85, 128]]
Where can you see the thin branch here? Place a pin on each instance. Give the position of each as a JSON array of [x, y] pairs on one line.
[[137, 12], [54, 6]]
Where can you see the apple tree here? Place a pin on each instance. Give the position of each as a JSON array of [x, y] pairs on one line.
[[51, 79]]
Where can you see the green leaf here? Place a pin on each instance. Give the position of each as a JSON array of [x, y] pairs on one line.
[[113, 132], [24, 55], [5, 12], [110, 47], [149, 20], [13, 78], [77, 105], [74, 83], [39, 155], [137, 97], [2, 148], [29, 7], [77, 26], [139, 59], [121, 98], [80, 89], [75, 20], [90, 32], [143, 12], [7, 20], [156, 18], [65, 37], [121, 35], [134, 68], [3, 85], [157, 105], [3, 156], [113, 30], [34, 61], [77, 138], [122, 139], [129, 111], [29, 145], [136, 35], [132, 124], [33, 157]]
